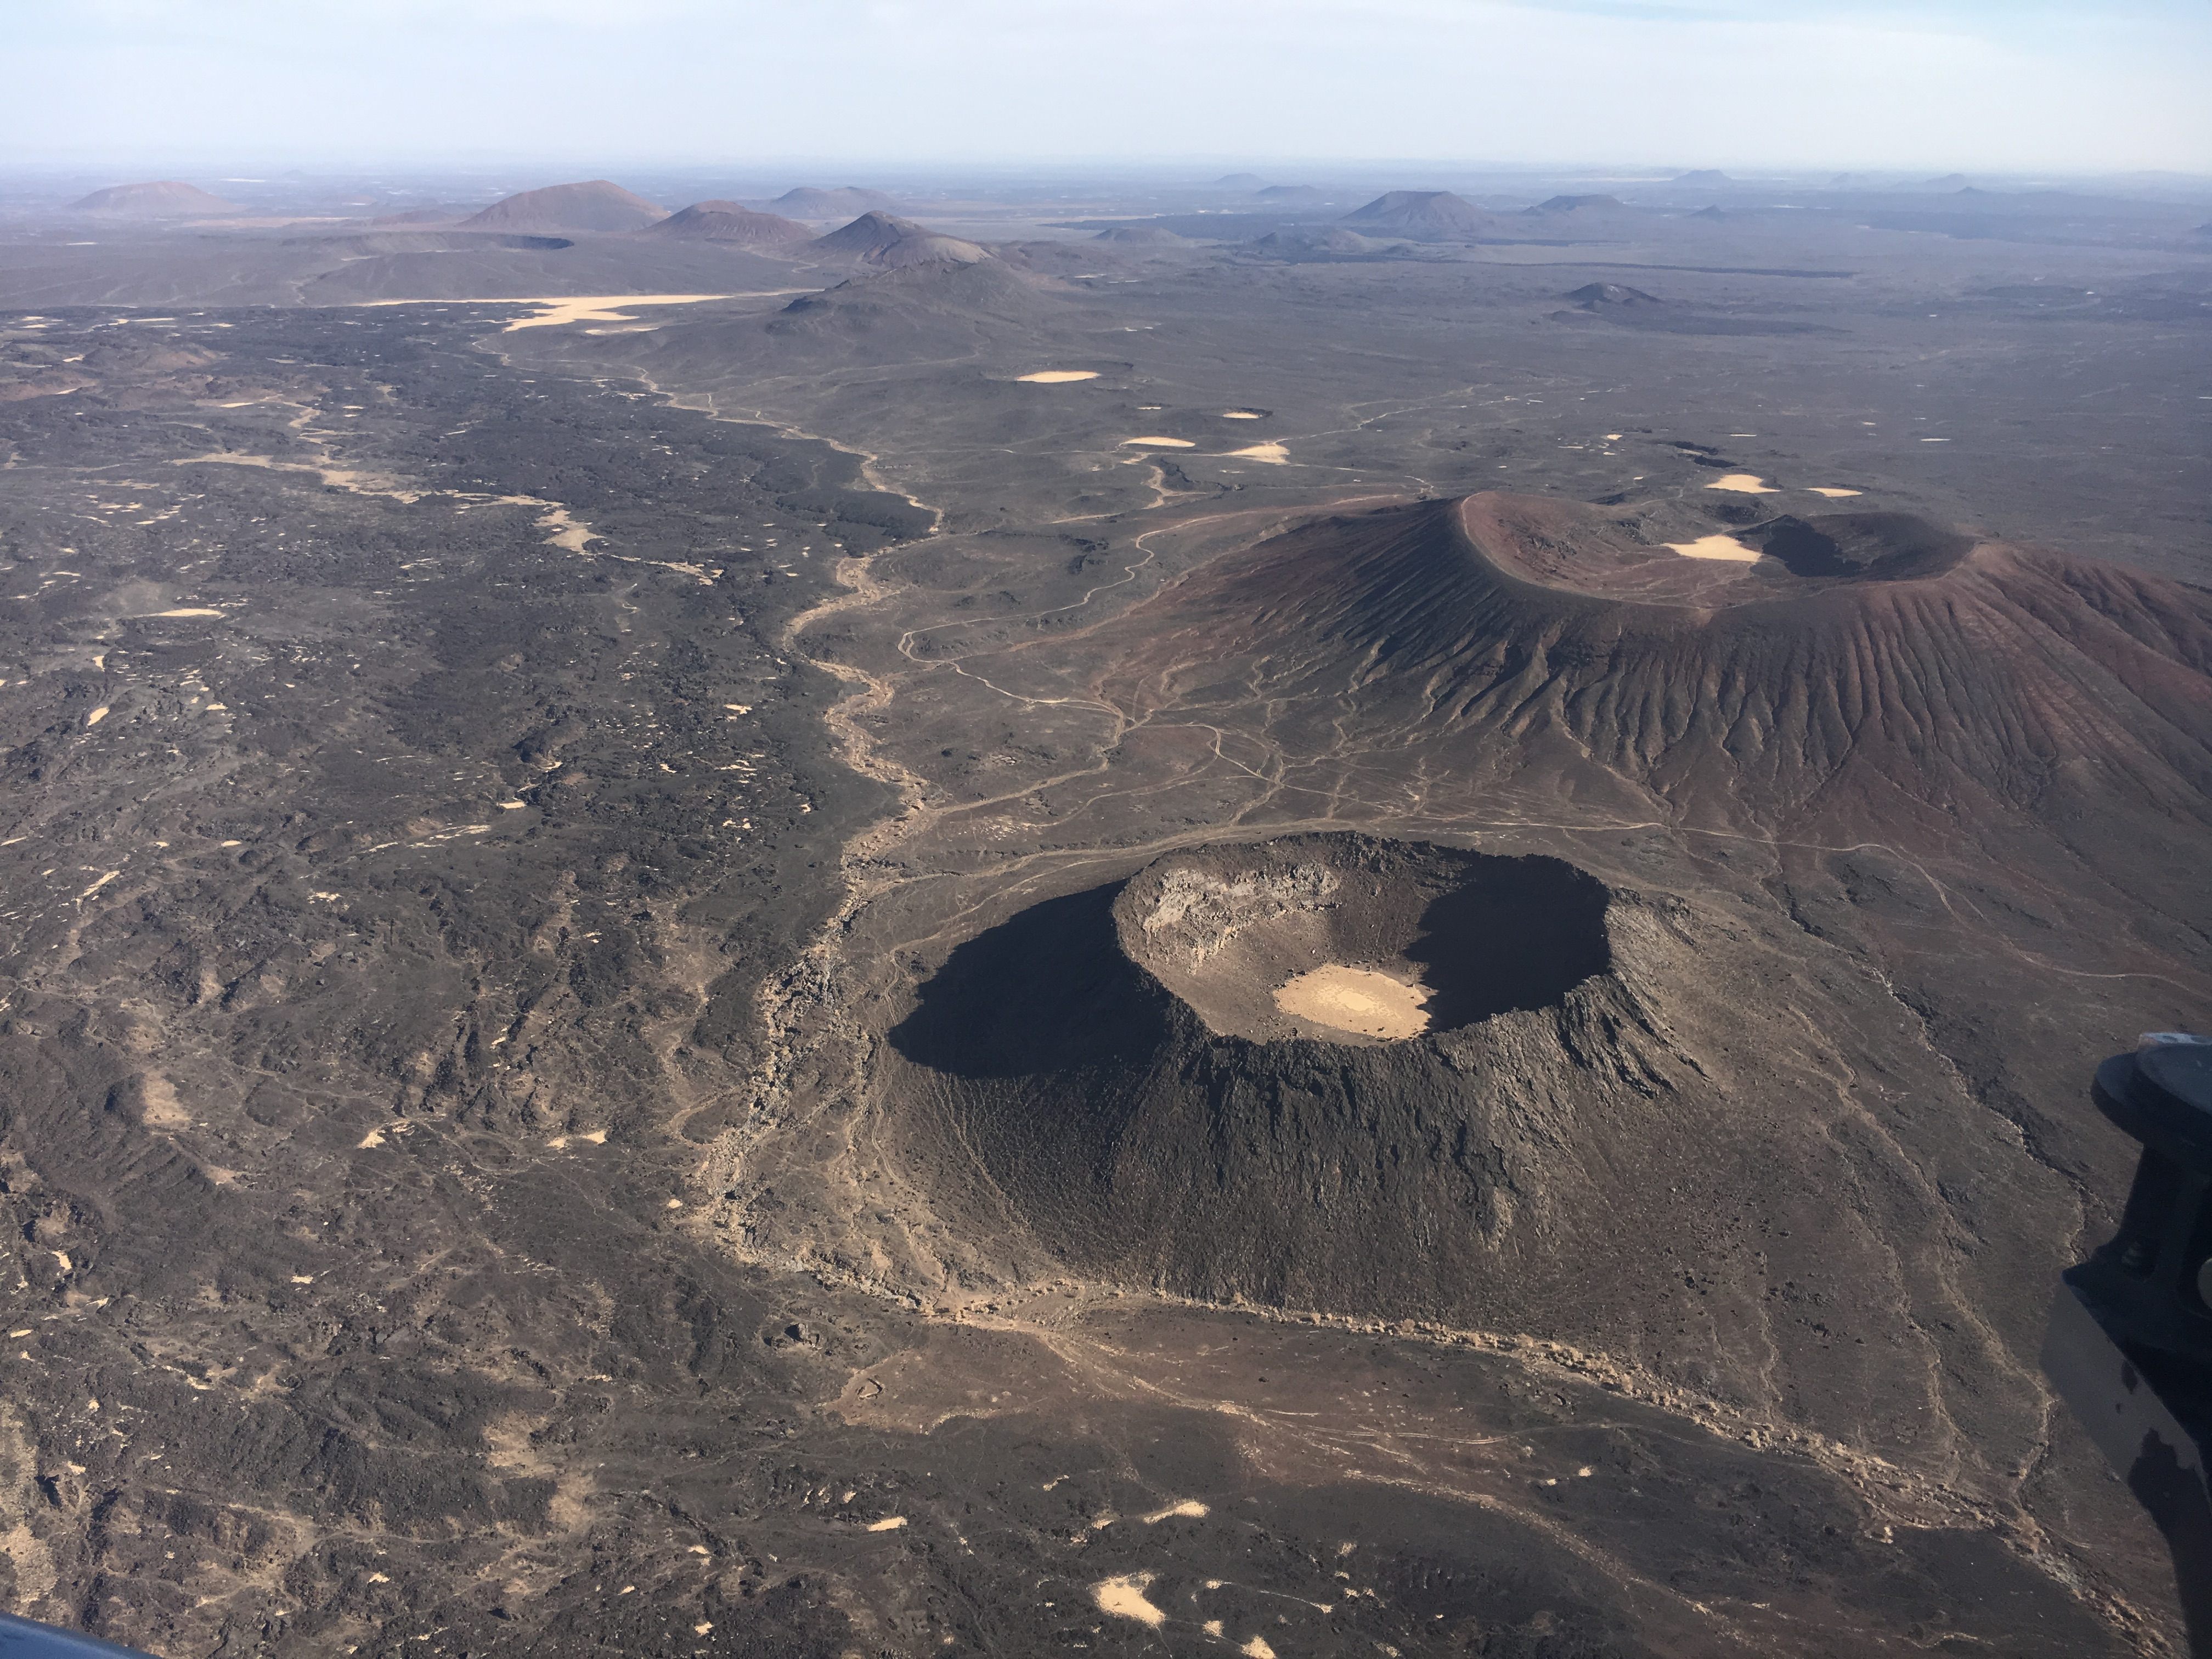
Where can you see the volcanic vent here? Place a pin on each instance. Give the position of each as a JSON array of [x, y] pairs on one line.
[[1340, 939], [1155, 1076]]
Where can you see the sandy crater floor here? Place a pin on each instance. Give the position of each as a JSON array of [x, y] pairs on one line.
[[1358, 999]]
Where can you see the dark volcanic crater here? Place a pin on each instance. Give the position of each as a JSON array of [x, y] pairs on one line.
[[1442, 938], [1122, 1063]]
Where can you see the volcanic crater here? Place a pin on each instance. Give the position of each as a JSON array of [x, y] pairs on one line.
[[1340, 938], [1201, 1075]]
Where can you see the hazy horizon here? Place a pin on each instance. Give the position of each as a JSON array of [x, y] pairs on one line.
[[1801, 86]]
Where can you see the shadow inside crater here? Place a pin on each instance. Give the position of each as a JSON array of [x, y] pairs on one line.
[[1044, 990], [1864, 546], [1520, 936], [1051, 989]]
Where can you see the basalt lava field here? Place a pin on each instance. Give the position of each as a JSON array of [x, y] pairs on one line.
[[1185, 920]]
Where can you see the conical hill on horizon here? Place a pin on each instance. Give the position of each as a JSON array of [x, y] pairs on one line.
[[729, 223], [1436, 215], [162, 198], [593, 204]]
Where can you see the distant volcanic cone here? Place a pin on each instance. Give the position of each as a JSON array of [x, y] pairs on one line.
[[598, 204], [879, 238], [1424, 216], [1579, 204], [730, 223], [1594, 295], [808, 203], [167, 198]]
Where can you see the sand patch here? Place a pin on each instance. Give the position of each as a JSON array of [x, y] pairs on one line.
[[162, 1110], [601, 308], [1744, 483], [1162, 443], [188, 610], [1190, 1508], [1357, 1000], [1833, 494], [889, 1523], [560, 309], [1058, 376], [361, 484], [1124, 1597], [97, 715], [1716, 547], [1273, 454], [1243, 415]]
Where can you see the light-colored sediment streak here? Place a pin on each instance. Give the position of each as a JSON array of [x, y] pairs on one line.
[[1189, 1509], [1057, 376], [1716, 547], [1161, 443], [555, 309], [1834, 493], [602, 308], [1273, 454], [1744, 483]]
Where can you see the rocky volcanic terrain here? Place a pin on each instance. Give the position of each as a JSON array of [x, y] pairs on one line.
[[1299, 929]]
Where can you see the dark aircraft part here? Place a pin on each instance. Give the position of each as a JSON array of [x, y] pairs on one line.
[[2130, 1340], [27, 1638]]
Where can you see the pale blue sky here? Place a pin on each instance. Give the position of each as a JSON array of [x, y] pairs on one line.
[[1987, 85]]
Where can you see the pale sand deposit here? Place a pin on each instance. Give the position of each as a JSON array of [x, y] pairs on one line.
[[1058, 376], [1189, 1507], [187, 611], [1273, 454], [1716, 547], [1242, 415], [1356, 999], [601, 308], [1833, 494], [1161, 443], [1124, 1597], [558, 308], [1744, 483]]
